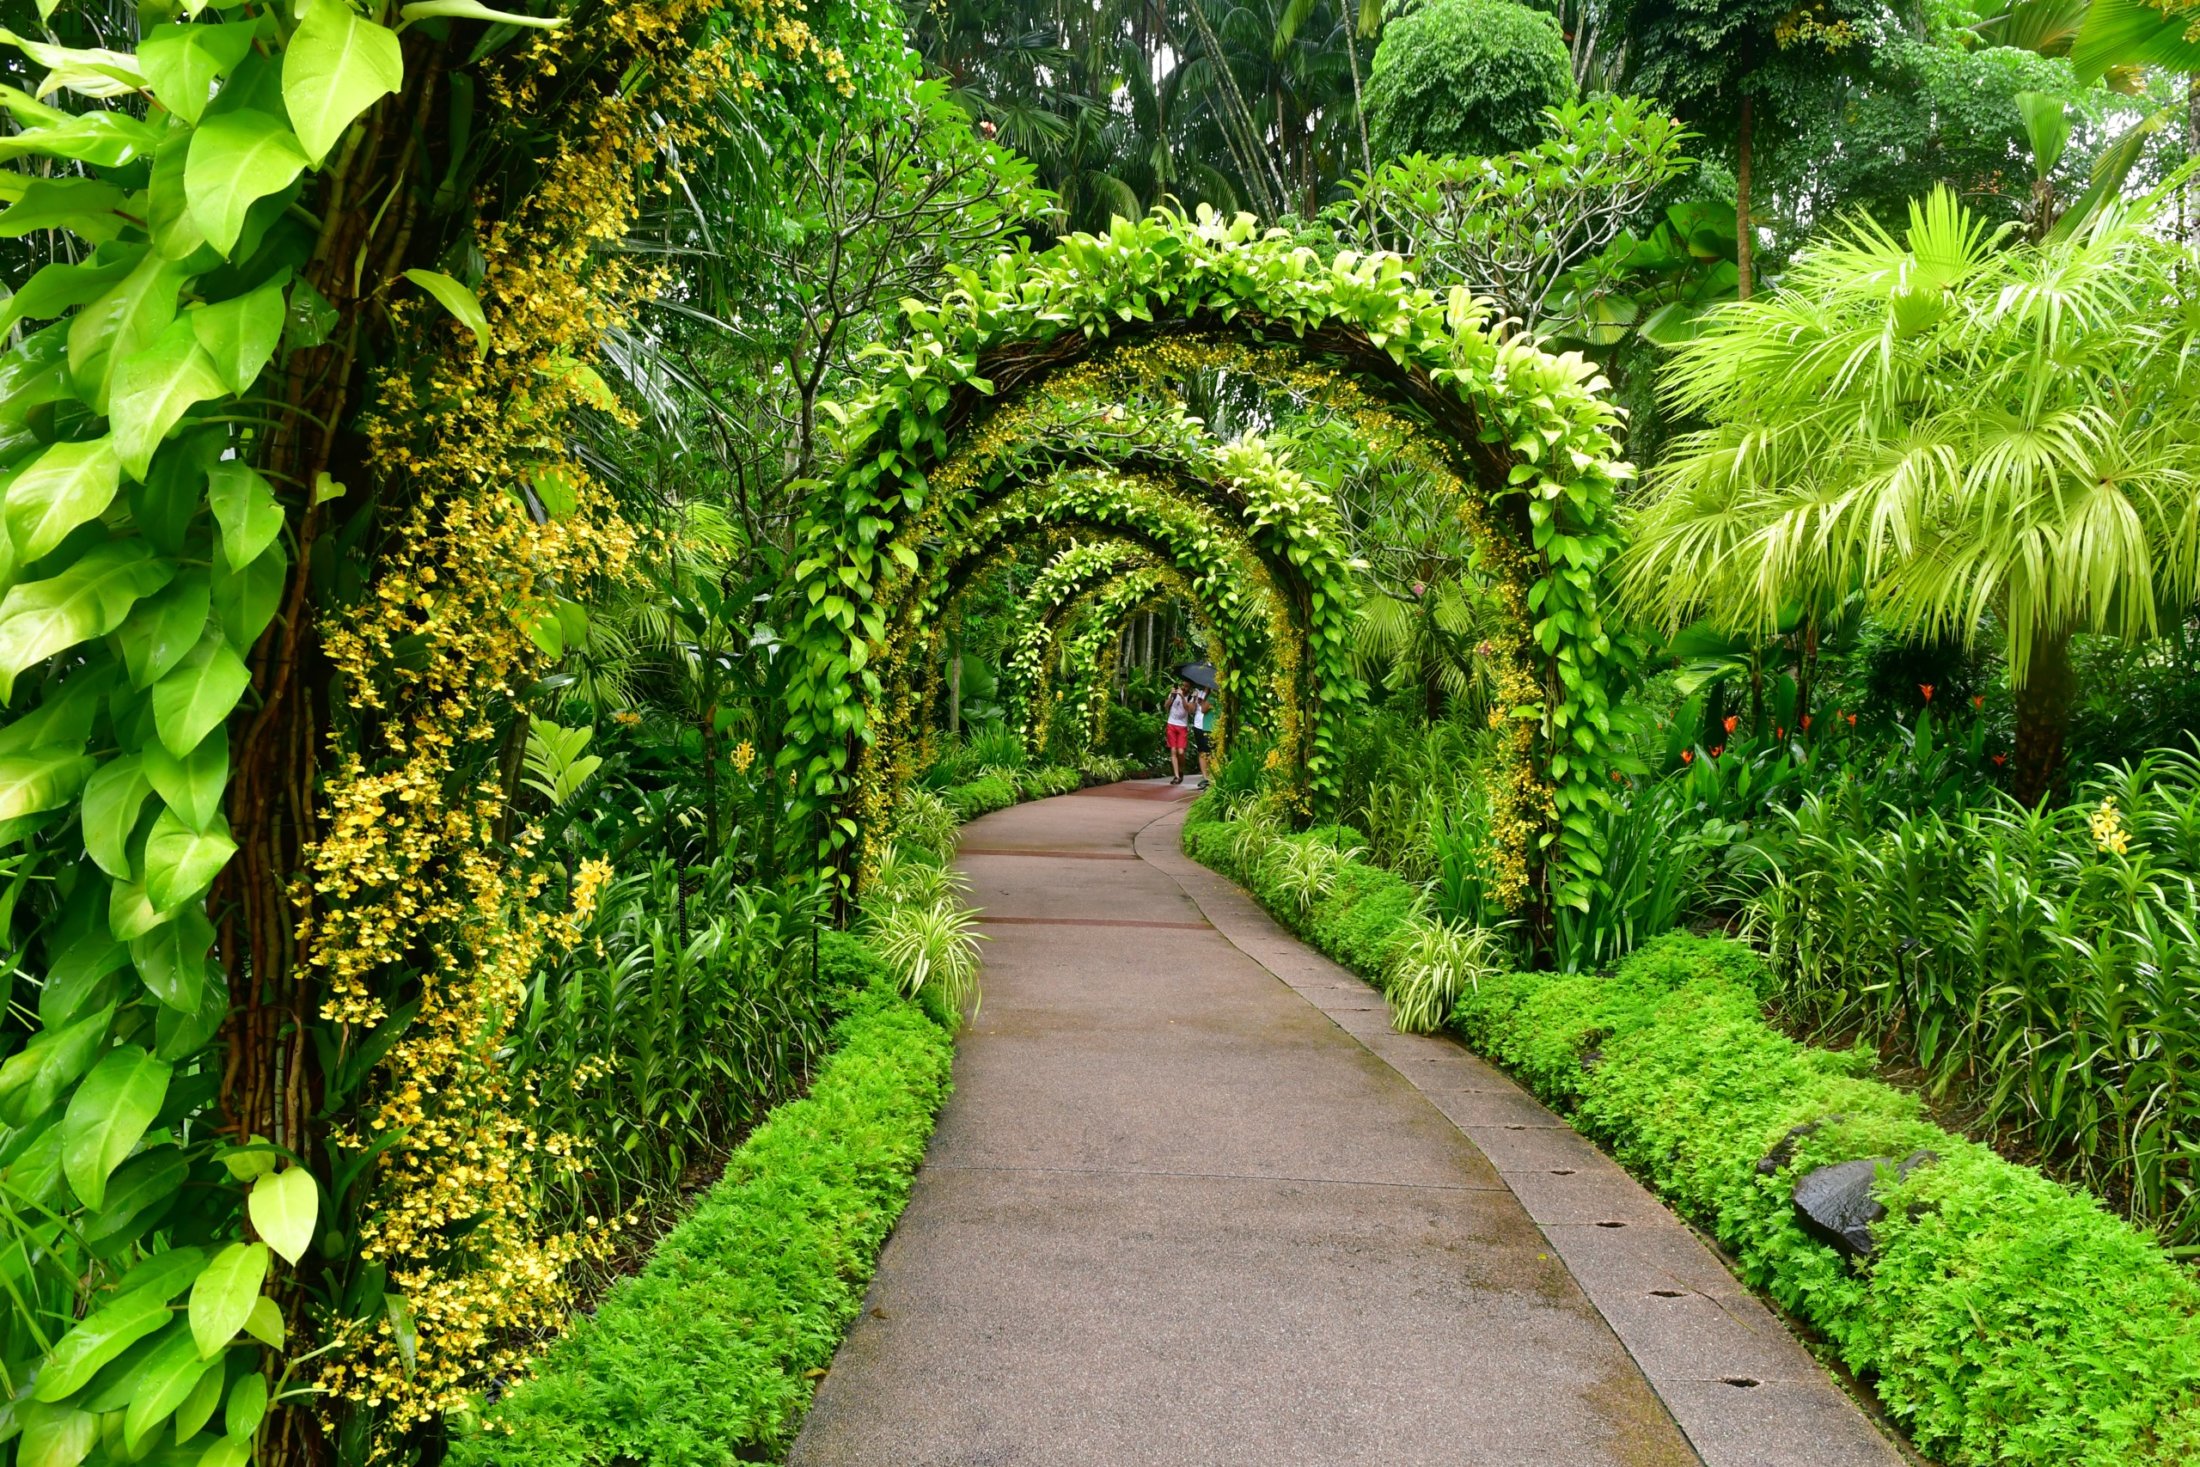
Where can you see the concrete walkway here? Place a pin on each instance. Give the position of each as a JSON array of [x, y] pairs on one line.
[[1194, 1203]]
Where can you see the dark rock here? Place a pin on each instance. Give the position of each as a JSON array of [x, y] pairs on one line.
[[1836, 1205]]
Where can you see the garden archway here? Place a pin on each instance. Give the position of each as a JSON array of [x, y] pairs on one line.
[[1241, 579], [1528, 431], [1065, 590]]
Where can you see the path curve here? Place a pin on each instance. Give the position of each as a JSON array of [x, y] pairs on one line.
[[1193, 1202]]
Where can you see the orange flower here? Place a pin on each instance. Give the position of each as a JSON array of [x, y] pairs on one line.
[[1806, 723], [1927, 690], [1717, 750], [1615, 776], [1852, 720], [1731, 720], [1779, 733], [1688, 756], [1978, 700], [2000, 759]]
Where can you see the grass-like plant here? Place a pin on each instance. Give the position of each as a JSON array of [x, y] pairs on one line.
[[932, 950], [1433, 966]]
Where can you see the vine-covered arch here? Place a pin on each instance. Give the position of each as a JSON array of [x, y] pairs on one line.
[[1067, 588], [1527, 431], [1088, 631], [1244, 579]]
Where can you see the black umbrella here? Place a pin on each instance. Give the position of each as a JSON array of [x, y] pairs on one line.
[[1199, 673]]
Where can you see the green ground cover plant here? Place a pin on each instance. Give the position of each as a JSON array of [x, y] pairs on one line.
[[707, 1355], [2005, 1317]]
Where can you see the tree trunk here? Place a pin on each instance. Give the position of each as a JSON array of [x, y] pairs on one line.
[[2043, 719], [955, 694], [1742, 250]]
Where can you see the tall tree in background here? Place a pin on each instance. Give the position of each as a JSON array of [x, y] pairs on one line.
[[1722, 65]]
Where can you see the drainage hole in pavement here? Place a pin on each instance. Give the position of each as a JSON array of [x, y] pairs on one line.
[[1611, 1225], [1562, 1171], [1742, 1381], [1667, 1294]]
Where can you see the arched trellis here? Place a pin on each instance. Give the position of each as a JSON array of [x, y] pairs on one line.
[[1244, 579], [1064, 589], [1089, 632], [1084, 632], [1528, 431]]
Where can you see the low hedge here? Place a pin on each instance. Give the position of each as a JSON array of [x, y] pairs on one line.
[[999, 789], [2004, 1317], [707, 1356]]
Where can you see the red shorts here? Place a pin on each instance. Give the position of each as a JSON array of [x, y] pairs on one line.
[[1178, 735]]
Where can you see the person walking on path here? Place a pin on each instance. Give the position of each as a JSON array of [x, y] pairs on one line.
[[1203, 727], [1177, 728]]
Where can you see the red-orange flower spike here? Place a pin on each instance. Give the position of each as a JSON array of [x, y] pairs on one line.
[[1978, 700], [1852, 720], [2000, 759], [1806, 723], [1927, 690], [1731, 720], [1688, 756], [1717, 750]]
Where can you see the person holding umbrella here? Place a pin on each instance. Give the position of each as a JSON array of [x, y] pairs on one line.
[[1177, 727], [1202, 678]]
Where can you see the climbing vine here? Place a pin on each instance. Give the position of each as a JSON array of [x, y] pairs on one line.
[[267, 616], [1529, 431]]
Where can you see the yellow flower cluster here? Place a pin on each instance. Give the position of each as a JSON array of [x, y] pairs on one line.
[[2109, 833], [411, 894]]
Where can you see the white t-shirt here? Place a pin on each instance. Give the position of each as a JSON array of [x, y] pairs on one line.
[[1180, 710]]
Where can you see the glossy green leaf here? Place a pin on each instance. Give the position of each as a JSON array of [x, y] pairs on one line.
[[237, 159], [230, 1451], [43, 779], [62, 488], [109, 1330], [265, 1323], [121, 323], [130, 912], [181, 863], [55, 1436], [165, 1381], [34, 1076], [245, 508], [75, 976], [189, 702], [222, 1299], [113, 798], [240, 333], [337, 66], [107, 1118], [246, 600], [141, 1191], [194, 785], [284, 1206], [154, 388], [247, 1407], [474, 10], [168, 207], [182, 63], [205, 1399], [458, 300], [64, 283], [78, 204], [164, 628], [171, 959], [89, 599]]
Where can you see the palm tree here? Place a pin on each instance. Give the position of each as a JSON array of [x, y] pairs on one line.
[[1976, 437]]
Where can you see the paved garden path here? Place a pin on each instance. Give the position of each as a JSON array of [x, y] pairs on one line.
[[1194, 1203]]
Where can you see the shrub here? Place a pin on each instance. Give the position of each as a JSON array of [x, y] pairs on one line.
[[1466, 77], [710, 1353], [2005, 1317]]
